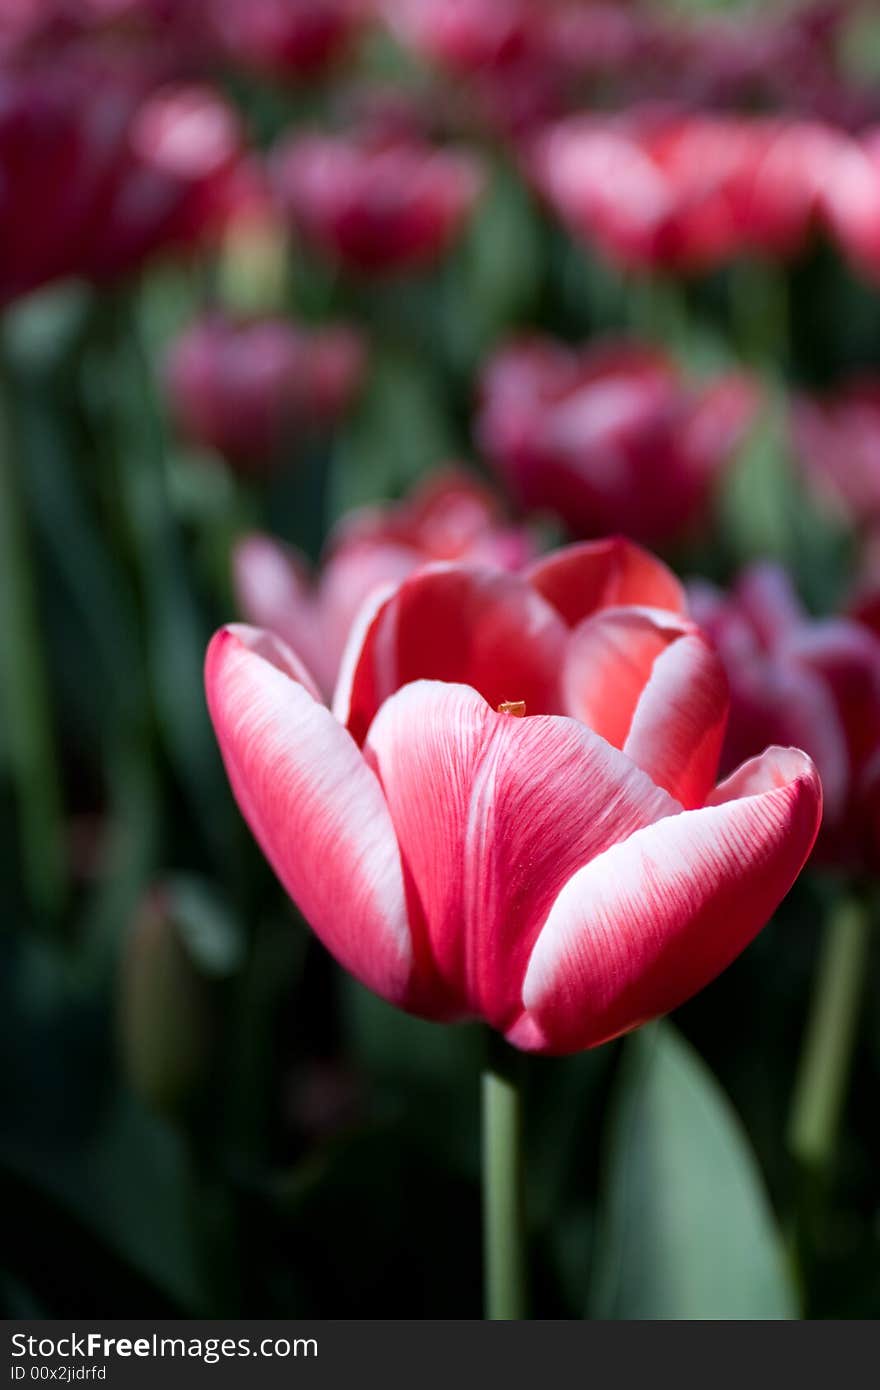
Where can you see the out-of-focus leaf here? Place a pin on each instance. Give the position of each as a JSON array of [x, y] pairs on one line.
[[131, 1188], [687, 1231], [401, 430], [41, 327], [209, 930], [78, 1160], [494, 279]]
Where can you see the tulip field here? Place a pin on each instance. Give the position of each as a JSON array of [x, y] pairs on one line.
[[440, 659]]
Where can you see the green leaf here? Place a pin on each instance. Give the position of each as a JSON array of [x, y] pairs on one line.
[[687, 1230]]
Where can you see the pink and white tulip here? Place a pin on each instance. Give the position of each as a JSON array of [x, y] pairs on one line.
[[564, 876]]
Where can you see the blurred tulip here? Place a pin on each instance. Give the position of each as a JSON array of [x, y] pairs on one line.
[[165, 1020], [287, 38], [684, 192], [376, 205], [246, 389], [513, 802], [466, 35], [810, 682], [851, 199], [610, 438], [838, 441], [95, 176], [448, 518]]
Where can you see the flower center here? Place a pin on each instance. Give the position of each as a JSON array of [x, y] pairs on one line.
[[515, 707]]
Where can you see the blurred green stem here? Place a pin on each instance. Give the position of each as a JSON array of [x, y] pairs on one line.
[[760, 312], [504, 1262], [826, 1060], [27, 706]]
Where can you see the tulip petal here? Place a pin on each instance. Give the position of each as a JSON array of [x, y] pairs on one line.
[[650, 683], [478, 627], [493, 814], [646, 924], [273, 591], [315, 808], [678, 727], [579, 580]]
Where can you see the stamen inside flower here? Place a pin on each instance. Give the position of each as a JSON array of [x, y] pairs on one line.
[[515, 707]]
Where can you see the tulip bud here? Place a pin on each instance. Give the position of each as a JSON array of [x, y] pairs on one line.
[[612, 438], [165, 1012], [376, 205], [248, 389]]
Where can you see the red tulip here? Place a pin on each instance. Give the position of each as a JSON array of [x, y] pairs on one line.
[[245, 389], [812, 682], [838, 441], [287, 38], [683, 192], [376, 205], [97, 175], [563, 876], [609, 438], [449, 518]]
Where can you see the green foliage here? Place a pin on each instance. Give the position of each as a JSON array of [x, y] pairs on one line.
[[687, 1229]]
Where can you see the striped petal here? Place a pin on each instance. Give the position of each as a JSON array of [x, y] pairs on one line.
[[579, 580], [651, 684], [646, 924], [493, 814], [315, 808], [477, 627]]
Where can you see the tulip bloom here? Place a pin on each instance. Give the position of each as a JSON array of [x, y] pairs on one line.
[[812, 682], [683, 193], [448, 518], [851, 201], [511, 813], [376, 205], [610, 438], [98, 175], [838, 441], [287, 38], [244, 389]]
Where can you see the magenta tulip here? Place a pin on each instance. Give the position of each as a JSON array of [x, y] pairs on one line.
[[813, 682], [376, 205], [511, 814], [610, 438], [99, 174], [287, 38], [248, 389]]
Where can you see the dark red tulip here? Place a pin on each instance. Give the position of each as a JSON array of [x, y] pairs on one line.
[[96, 175], [813, 683], [376, 205], [610, 438], [245, 389], [287, 38]]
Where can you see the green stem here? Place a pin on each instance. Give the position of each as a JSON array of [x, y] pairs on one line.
[[504, 1268], [827, 1056], [27, 707], [761, 315]]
